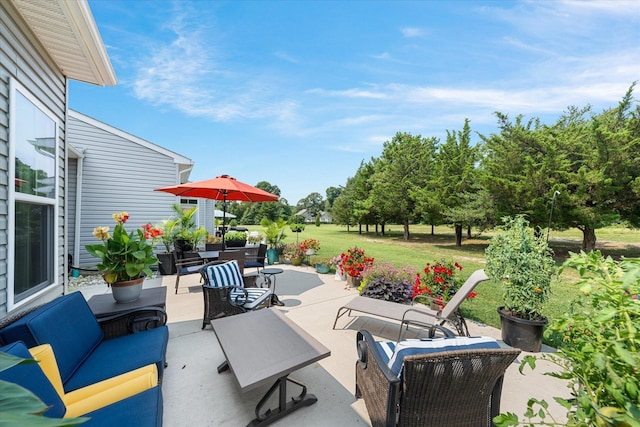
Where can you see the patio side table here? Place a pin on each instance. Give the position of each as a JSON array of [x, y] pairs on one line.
[[104, 307]]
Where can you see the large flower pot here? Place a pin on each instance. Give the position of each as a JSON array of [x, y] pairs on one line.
[[235, 243], [322, 268], [522, 333], [128, 291], [166, 264], [272, 256], [296, 261]]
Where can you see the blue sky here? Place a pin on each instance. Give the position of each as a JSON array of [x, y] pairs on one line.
[[298, 93]]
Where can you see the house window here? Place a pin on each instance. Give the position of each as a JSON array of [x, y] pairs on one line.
[[33, 201]]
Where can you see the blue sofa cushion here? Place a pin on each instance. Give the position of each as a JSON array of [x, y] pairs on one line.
[[31, 377], [122, 354], [66, 323], [141, 410], [395, 353]]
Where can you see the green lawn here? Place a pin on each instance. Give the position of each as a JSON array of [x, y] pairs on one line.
[[424, 247]]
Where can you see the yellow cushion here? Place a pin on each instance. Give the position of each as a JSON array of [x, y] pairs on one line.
[[47, 360], [98, 395]]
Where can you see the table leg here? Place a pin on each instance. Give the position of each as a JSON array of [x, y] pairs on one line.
[[284, 407], [274, 298]]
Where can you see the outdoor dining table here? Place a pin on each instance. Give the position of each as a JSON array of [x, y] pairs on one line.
[[209, 255], [283, 346]]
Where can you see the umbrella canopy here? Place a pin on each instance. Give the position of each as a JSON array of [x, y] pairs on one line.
[[223, 188]]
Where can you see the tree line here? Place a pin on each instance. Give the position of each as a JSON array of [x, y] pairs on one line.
[[586, 164]]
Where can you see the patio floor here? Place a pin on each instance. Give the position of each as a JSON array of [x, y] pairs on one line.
[[196, 395]]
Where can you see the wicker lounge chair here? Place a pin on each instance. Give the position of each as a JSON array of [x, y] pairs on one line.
[[224, 292], [444, 388], [417, 314]]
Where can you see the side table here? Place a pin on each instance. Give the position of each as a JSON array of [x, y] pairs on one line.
[[269, 277], [121, 319]]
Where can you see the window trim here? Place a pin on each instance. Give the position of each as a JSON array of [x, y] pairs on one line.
[[13, 196]]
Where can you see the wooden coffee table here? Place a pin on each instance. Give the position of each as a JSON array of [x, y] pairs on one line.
[[282, 345]]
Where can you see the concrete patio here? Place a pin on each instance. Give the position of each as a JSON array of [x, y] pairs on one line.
[[196, 395]]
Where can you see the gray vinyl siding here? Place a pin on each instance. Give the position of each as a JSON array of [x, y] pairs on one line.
[[23, 59], [118, 175], [72, 182]]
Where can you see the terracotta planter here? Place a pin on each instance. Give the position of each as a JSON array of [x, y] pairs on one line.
[[127, 291]]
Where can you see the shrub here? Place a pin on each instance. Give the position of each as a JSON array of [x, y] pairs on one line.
[[385, 281]]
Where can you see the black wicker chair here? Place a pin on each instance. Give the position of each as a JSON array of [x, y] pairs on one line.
[[446, 388], [221, 301]]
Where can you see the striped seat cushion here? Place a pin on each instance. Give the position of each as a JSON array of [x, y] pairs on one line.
[[394, 354], [224, 275], [254, 297]]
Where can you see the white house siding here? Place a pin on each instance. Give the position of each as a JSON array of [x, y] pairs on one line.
[[22, 58], [119, 173]]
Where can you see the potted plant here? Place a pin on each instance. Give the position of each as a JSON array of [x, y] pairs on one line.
[[183, 230], [295, 253], [438, 283], [254, 239], [352, 263], [274, 235], [323, 264], [387, 282], [213, 243], [597, 343], [235, 239], [125, 258], [166, 260], [523, 262], [310, 246]]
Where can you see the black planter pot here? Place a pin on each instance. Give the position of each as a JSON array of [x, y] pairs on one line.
[[235, 243], [166, 264], [522, 333]]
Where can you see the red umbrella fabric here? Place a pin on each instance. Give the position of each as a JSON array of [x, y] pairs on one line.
[[222, 187]]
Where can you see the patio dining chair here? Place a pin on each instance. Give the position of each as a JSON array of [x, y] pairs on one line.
[[450, 381], [186, 266], [257, 261], [225, 294]]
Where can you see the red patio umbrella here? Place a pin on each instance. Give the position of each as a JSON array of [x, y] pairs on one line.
[[223, 188]]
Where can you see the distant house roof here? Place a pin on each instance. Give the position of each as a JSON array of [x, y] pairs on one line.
[[184, 163], [68, 32]]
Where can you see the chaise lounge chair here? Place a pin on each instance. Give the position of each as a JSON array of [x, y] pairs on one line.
[[417, 314]]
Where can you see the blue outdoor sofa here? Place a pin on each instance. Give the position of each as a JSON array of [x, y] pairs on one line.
[[84, 357]]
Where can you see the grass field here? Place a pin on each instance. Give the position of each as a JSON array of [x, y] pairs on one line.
[[424, 247]]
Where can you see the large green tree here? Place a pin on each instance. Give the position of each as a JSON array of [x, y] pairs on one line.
[[402, 168]]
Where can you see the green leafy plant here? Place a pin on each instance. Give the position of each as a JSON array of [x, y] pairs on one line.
[[599, 353], [20, 407], [253, 238], [297, 228], [235, 236], [523, 262], [385, 281], [124, 256], [184, 226], [273, 232]]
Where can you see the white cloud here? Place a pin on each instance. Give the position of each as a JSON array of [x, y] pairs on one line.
[[412, 32]]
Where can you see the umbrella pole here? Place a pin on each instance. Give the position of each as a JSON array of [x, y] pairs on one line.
[[224, 216]]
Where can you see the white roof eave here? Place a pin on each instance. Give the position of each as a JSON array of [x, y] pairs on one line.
[[67, 30]]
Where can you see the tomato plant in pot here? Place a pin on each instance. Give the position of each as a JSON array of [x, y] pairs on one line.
[[523, 263]]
